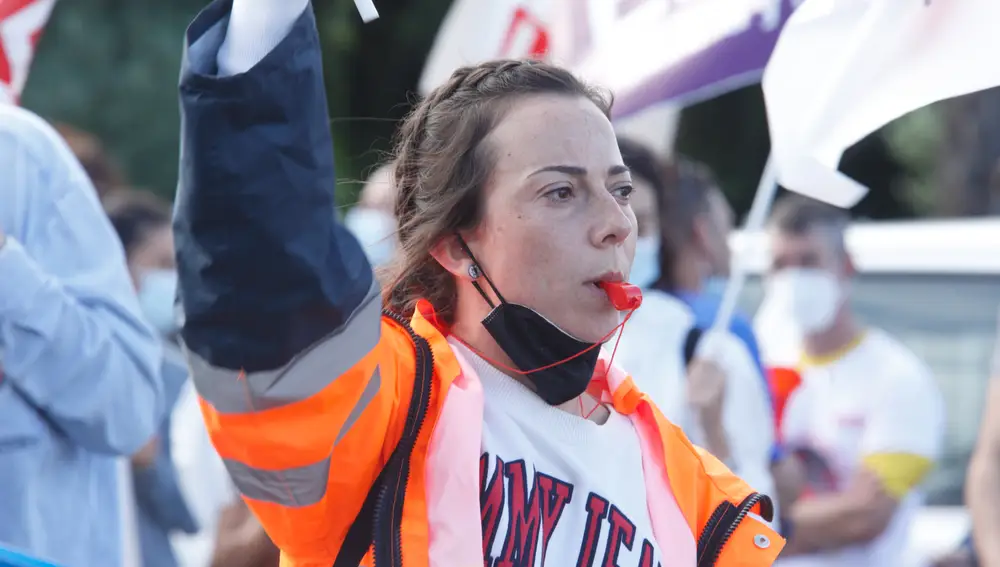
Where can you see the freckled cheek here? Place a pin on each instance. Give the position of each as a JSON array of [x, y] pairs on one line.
[[551, 259]]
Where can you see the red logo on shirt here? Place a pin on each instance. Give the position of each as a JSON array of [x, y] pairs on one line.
[[533, 515]]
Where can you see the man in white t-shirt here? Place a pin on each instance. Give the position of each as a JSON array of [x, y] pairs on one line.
[[867, 423]]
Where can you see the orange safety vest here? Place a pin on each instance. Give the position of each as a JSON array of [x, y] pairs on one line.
[[369, 494]]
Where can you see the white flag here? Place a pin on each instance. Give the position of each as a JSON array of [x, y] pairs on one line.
[[844, 68], [21, 24], [479, 30]]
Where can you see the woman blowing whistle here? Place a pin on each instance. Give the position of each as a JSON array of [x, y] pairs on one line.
[[466, 413]]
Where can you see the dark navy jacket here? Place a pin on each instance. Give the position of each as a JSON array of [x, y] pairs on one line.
[[265, 269]]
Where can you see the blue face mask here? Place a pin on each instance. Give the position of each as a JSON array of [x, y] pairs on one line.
[[375, 230], [157, 290], [715, 285], [646, 264]]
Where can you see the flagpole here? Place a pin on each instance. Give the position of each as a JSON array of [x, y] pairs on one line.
[[767, 188]]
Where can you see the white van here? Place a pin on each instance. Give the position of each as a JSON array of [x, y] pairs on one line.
[[936, 286]]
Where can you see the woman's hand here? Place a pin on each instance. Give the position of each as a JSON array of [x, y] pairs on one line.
[[706, 394], [241, 541], [145, 457]]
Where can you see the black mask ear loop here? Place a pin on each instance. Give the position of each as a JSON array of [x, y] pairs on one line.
[[475, 271]]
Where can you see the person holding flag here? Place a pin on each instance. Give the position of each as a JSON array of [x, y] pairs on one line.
[[722, 401], [476, 417]]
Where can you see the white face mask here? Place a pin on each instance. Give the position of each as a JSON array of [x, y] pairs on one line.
[[646, 263], [375, 230], [808, 296], [157, 293]]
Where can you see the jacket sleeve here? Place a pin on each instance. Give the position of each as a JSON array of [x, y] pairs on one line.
[[72, 344], [282, 324]]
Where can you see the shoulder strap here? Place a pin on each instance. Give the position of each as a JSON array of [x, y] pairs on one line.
[[691, 343], [360, 536]]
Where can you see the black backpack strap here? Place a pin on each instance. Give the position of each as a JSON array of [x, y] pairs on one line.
[[360, 536], [691, 344]]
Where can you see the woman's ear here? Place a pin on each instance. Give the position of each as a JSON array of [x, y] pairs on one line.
[[451, 255]]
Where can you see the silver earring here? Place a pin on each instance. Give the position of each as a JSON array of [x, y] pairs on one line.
[[474, 272]]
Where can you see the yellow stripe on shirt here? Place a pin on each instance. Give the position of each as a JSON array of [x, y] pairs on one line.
[[899, 472], [808, 360]]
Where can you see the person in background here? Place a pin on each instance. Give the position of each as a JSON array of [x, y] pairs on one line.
[[373, 220], [982, 488], [104, 172], [80, 387], [697, 265], [867, 423], [721, 402], [170, 499], [142, 222]]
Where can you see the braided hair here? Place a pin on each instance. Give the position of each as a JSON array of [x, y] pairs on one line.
[[442, 164]]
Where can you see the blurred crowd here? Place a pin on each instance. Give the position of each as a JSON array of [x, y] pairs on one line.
[[104, 452]]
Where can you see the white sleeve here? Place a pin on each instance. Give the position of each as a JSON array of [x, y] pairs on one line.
[[907, 413], [747, 415], [255, 28]]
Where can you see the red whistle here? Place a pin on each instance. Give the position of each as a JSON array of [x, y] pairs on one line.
[[623, 295]]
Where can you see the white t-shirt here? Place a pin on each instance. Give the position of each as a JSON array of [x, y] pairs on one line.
[[652, 352], [588, 479], [876, 398]]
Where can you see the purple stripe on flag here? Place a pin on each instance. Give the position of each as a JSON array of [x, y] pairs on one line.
[[728, 64]]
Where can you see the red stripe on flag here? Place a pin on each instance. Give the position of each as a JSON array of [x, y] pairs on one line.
[[8, 9]]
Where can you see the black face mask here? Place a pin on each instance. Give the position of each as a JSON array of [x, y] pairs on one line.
[[557, 365]]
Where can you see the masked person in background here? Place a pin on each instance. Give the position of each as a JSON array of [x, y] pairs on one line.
[[697, 269], [721, 402], [189, 515], [142, 222], [867, 422], [373, 220]]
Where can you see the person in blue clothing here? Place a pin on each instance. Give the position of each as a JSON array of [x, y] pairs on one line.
[[697, 266], [142, 222], [80, 387], [696, 262]]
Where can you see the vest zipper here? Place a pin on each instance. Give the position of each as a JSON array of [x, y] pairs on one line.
[[723, 523], [388, 517]]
